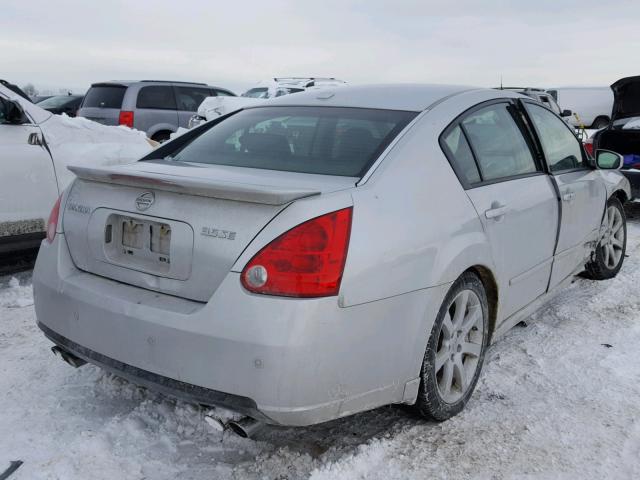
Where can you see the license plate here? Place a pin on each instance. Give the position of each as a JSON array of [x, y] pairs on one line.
[[144, 240]]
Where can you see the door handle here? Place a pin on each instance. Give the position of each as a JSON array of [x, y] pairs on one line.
[[496, 212], [568, 196], [34, 139]]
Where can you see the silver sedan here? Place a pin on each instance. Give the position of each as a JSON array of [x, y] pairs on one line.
[[329, 252]]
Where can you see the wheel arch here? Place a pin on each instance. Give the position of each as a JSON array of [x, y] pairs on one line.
[[620, 195], [160, 128], [491, 289]]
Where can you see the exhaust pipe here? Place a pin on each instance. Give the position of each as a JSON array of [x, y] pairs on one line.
[[245, 427], [68, 357]]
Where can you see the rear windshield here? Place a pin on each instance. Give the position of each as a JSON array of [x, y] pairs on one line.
[[56, 102], [106, 96], [321, 140]]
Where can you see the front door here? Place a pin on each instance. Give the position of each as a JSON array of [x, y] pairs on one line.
[[28, 187], [580, 189]]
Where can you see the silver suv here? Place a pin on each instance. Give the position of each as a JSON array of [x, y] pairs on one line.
[[155, 107]]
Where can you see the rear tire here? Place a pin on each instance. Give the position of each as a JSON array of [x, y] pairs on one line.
[[609, 255], [161, 136], [600, 122], [455, 351]]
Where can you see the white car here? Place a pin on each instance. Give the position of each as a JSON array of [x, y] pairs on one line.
[[36, 147], [214, 107], [592, 105]]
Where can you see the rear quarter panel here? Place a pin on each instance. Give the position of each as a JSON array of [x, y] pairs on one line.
[[413, 225]]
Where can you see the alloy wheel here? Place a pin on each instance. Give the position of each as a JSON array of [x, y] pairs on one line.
[[612, 242], [459, 346]]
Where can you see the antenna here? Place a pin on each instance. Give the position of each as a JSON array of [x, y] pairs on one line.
[[501, 88]]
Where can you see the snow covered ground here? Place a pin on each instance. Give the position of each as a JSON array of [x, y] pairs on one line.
[[558, 399]]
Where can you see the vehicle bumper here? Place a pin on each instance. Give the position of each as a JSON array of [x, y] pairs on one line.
[[634, 179], [282, 361]]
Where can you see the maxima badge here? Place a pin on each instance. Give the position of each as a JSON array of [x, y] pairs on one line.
[[145, 200]]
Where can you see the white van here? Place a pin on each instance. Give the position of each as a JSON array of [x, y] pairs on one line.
[[592, 104]]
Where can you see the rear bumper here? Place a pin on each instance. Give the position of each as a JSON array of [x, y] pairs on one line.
[[634, 179], [165, 385], [282, 361]]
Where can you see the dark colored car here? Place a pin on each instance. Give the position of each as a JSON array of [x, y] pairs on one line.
[[38, 98], [623, 133], [59, 104]]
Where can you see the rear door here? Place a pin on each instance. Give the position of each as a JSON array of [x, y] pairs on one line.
[[188, 99], [103, 103], [28, 185], [580, 188], [156, 109], [514, 198]]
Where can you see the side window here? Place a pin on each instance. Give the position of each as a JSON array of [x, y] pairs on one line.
[[496, 139], [190, 98], [458, 147], [221, 93], [158, 96], [561, 147]]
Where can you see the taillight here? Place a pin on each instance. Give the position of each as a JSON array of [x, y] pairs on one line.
[[126, 118], [52, 223], [588, 146], [307, 261]]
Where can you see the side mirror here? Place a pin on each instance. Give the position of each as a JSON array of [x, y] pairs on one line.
[[608, 160], [12, 112], [566, 113]]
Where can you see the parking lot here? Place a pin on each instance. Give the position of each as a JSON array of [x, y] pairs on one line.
[[557, 399]]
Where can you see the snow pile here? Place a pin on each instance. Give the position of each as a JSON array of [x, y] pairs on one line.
[[79, 141], [16, 296], [558, 399]]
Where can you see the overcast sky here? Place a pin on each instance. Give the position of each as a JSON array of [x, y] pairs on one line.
[[72, 43]]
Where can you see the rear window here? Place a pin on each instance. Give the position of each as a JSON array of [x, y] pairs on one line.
[[320, 140], [104, 97], [158, 97]]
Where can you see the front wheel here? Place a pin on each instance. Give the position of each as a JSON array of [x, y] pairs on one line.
[[455, 351], [608, 257]]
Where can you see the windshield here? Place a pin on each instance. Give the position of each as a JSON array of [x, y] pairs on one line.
[[257, 93], [56, 102], [320, 140], [631, 123]]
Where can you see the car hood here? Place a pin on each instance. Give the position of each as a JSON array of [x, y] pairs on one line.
[[626, 98]]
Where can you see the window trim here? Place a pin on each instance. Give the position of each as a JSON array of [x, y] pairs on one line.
[[536, 134], [466, 185]]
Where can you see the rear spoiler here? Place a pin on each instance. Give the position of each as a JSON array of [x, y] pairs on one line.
[[243, 192]]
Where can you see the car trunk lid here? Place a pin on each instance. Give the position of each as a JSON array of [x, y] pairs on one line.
[[176, 228], [626, 98]]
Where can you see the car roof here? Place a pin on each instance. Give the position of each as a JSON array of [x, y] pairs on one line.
[[128, 83], [408, 97]]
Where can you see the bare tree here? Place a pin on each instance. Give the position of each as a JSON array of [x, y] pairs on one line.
[[30, 90]]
